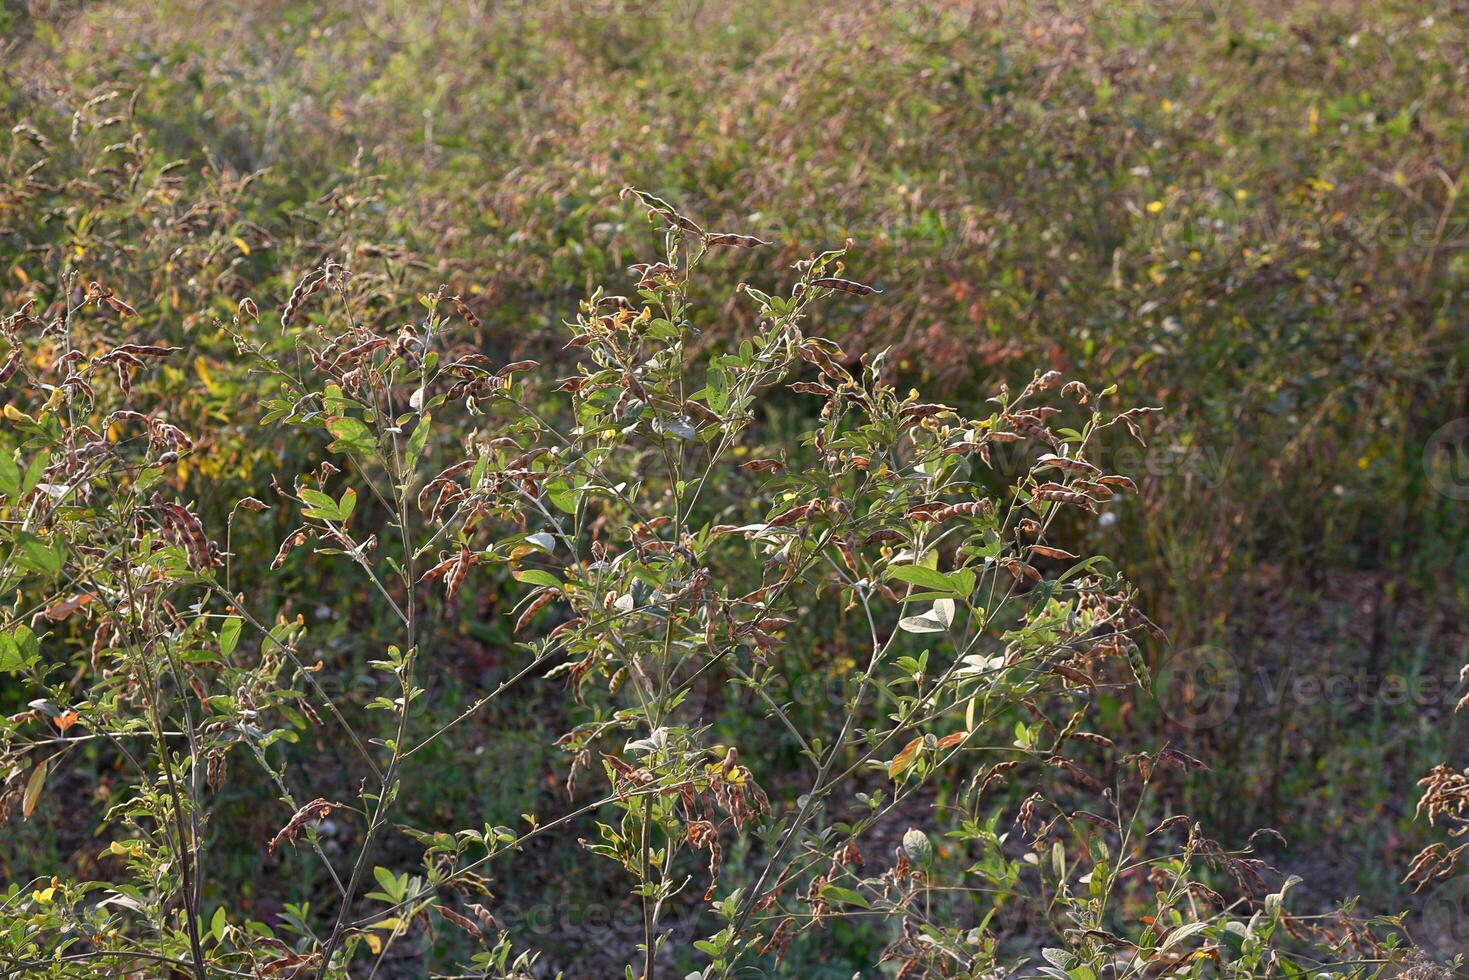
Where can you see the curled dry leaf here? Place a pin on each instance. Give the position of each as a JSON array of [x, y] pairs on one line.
[[58, 611]]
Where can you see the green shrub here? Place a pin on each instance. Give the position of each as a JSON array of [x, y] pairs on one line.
[[1246, 215], [653, 558]]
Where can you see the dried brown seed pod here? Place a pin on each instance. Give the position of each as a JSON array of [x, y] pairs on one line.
[[812, 388], [293, 541], [687, 224], [12, 364], [315, 809], [846, 286], [1119, 482], [970, 508], [465, 312], [184, 529], [1066, 463], [702, 411], [541, 601], [312, 282], [516, 367], [736, 241]]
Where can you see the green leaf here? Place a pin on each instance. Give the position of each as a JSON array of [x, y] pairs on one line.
[[10, 658], [918, 847], [924, 577], [347, 504], [1183, 933], [229, 635], [387, 881], [26, 642], [677, 427], [36, 555], [716, 390], [419, 438], [1061, 959], [1083, 566], [319, 505], [33, 475], [9, 476], [352, 436], [845, 895], [219, 924], [562, 496], [661, 329], [538, 576]]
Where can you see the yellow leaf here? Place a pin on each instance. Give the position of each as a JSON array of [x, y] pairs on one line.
[[373, 942], [33, 790], [240, 244], [904, 760], [949, 741], [201, 365]]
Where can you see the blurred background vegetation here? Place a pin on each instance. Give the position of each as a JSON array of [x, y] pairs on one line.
[[1247, 214]]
